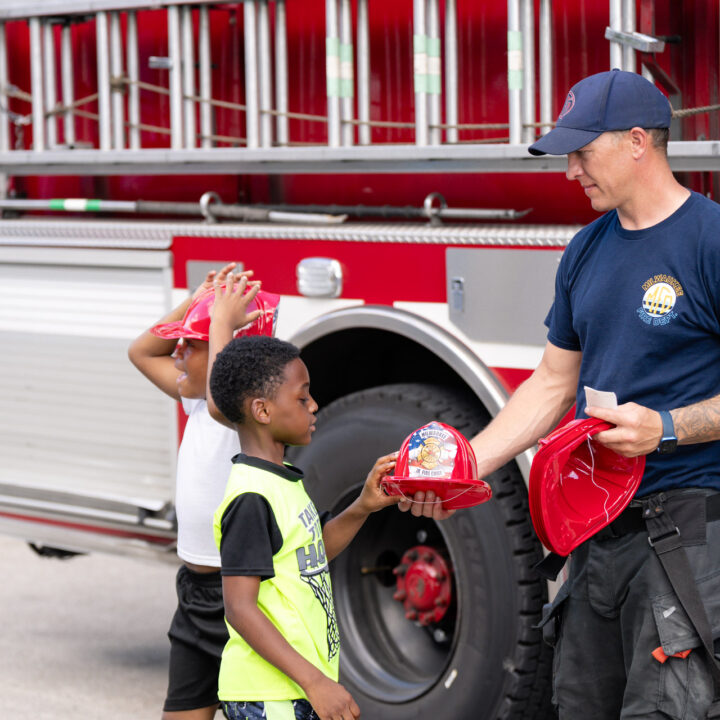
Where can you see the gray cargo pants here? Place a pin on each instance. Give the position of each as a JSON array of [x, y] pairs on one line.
[[616, 608]]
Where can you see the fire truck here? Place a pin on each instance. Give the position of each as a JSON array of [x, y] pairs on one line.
[[368, 160]]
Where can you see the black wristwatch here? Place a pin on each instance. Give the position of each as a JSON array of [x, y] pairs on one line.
[[668, 442]]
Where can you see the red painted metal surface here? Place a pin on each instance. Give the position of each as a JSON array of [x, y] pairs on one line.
[[377, 272], [691, 59]]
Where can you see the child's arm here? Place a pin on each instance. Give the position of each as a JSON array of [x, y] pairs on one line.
[[338, 532], [152, 355], [329, 699], [229, 313]]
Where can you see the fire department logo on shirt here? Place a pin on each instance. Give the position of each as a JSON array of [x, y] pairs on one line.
[[660, 296]]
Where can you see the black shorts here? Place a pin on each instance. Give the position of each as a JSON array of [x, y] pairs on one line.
[[197, 637]]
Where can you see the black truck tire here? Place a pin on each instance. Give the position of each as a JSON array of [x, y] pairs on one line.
[[483, 660]]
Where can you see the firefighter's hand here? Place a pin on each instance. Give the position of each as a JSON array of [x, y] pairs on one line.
[[372, 497], [220, 276], [425, 505], [231, 303], [637, 431], [331, 701]]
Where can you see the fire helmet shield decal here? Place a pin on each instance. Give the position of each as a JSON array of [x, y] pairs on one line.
[[432, 451]]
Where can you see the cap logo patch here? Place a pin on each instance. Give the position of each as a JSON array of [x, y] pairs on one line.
[[568, 106]]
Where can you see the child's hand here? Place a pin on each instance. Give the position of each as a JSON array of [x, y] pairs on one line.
[[230, 307], [372, 497], [219, 277], [331, 701]]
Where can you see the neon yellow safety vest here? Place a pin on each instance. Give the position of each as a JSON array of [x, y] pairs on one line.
[[297, 600]]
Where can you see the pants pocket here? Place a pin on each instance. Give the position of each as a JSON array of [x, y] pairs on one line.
[[685, 684]]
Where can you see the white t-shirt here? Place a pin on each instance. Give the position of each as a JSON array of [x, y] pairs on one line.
[[203, 467]]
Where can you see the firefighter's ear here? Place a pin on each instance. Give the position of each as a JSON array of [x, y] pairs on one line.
[[259, 410]]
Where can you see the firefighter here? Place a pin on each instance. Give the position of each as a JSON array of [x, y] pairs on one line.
[[636, 312], [173, 355]]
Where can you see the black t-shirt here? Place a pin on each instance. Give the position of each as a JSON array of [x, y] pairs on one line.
[[250, 534]]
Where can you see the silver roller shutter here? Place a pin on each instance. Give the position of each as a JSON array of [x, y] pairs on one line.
[[79, 424]]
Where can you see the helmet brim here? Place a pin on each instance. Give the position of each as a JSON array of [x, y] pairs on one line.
[[175, 331]]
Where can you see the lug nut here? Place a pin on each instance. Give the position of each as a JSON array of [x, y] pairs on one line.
[[411, 614], [400, 569], [400, 595]]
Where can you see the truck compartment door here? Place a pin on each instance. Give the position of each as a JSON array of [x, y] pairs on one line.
[[84, 438]]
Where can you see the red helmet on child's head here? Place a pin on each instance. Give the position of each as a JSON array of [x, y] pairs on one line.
[[437, 458], [578, 486], [196, 322]]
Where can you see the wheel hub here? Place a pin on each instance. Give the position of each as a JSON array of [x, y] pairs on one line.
[[423, 585]]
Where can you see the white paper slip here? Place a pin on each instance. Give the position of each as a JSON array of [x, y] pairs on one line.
[[599, 398]]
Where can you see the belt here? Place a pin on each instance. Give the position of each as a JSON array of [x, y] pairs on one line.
[[631, 520]]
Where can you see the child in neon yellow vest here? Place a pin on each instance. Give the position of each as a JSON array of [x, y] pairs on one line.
[[281, 661]]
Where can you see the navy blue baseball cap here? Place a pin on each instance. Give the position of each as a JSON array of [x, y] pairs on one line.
[[612, 100]]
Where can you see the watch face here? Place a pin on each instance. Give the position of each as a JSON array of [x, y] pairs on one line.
[[667, 446]]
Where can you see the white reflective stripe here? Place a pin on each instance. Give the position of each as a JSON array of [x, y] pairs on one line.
[[78, 204], [279, 710], [515, 60]]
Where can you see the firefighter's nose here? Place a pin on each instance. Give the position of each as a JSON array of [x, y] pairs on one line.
[[573, 167]]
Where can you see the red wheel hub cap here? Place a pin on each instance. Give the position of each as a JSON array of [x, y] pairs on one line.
[[423, 585]]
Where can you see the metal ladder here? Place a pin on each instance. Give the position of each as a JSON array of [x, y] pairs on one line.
[[268, 145]]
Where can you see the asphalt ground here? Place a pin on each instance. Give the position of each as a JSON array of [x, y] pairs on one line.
[[83, 638]]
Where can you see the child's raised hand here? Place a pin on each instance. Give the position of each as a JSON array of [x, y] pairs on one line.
[[219, 276], [331, 701], [230, 307], [372, 497]]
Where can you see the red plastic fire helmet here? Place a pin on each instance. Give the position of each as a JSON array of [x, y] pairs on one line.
[[196, 322], [437, 457], [578, 486]]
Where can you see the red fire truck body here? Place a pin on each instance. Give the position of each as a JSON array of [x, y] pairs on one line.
[[202, 133]]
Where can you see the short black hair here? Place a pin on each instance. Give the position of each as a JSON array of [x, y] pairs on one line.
[[248, 367]]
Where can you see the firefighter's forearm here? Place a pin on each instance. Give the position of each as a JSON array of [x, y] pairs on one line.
[[699, 422], [518, 427], [535, 408]]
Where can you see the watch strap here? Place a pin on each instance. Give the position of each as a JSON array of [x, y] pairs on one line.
[[668, 427]]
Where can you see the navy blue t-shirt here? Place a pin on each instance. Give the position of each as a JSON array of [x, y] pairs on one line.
[[643, 306]]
